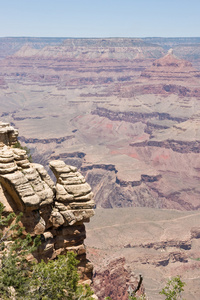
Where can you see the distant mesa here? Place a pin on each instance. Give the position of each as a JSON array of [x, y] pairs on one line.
[[170, 60], [167, 75]]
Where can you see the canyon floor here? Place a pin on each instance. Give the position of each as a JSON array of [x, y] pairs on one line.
[[156, 243]]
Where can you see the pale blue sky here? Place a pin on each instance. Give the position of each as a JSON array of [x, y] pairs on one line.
[[100, 18]]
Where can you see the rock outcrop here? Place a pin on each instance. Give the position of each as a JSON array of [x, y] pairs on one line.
[[116, 274], [57, 212], [8, 134]]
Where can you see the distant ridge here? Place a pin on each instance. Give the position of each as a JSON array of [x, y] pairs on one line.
[[13, 44]]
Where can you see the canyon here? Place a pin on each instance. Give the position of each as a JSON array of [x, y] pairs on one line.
[[125, 113]]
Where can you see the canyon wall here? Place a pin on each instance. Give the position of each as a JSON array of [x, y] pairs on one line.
[[126, 111]]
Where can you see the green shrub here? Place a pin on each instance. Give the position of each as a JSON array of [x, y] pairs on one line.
[[21, 279], [173, 289], [14, 248], [58, 279]]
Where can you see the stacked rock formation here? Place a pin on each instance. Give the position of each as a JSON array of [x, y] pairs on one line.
[[8, 134], [56, 212]]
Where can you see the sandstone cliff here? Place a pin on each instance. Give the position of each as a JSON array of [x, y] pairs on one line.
[[57, 212]]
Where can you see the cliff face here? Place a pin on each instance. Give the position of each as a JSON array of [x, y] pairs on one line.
[[117, 279], [130, 123], [55, 211]]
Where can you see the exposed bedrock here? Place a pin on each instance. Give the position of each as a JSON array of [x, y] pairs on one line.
[[57, 212], [112, 187], [167, 75], [133, 117], [166, 185], [46, 141], [178, 146], [169, 251], [164, 260], [164, 89], [144, 178], [110, 191], [116, 274], [185, 245], [182, 146], [8, 134], [97, 131]]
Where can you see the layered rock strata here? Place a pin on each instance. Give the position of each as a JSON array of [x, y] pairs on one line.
[[167, 75], [8, 134], [118, 281], [57, 212]]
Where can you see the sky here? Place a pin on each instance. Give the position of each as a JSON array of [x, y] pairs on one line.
[[100, 18]]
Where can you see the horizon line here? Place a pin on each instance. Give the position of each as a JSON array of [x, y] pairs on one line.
[[111, 37]]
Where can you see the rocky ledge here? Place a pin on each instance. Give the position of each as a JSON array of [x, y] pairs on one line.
[[57, 212], [177, 146], [118, 281]]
